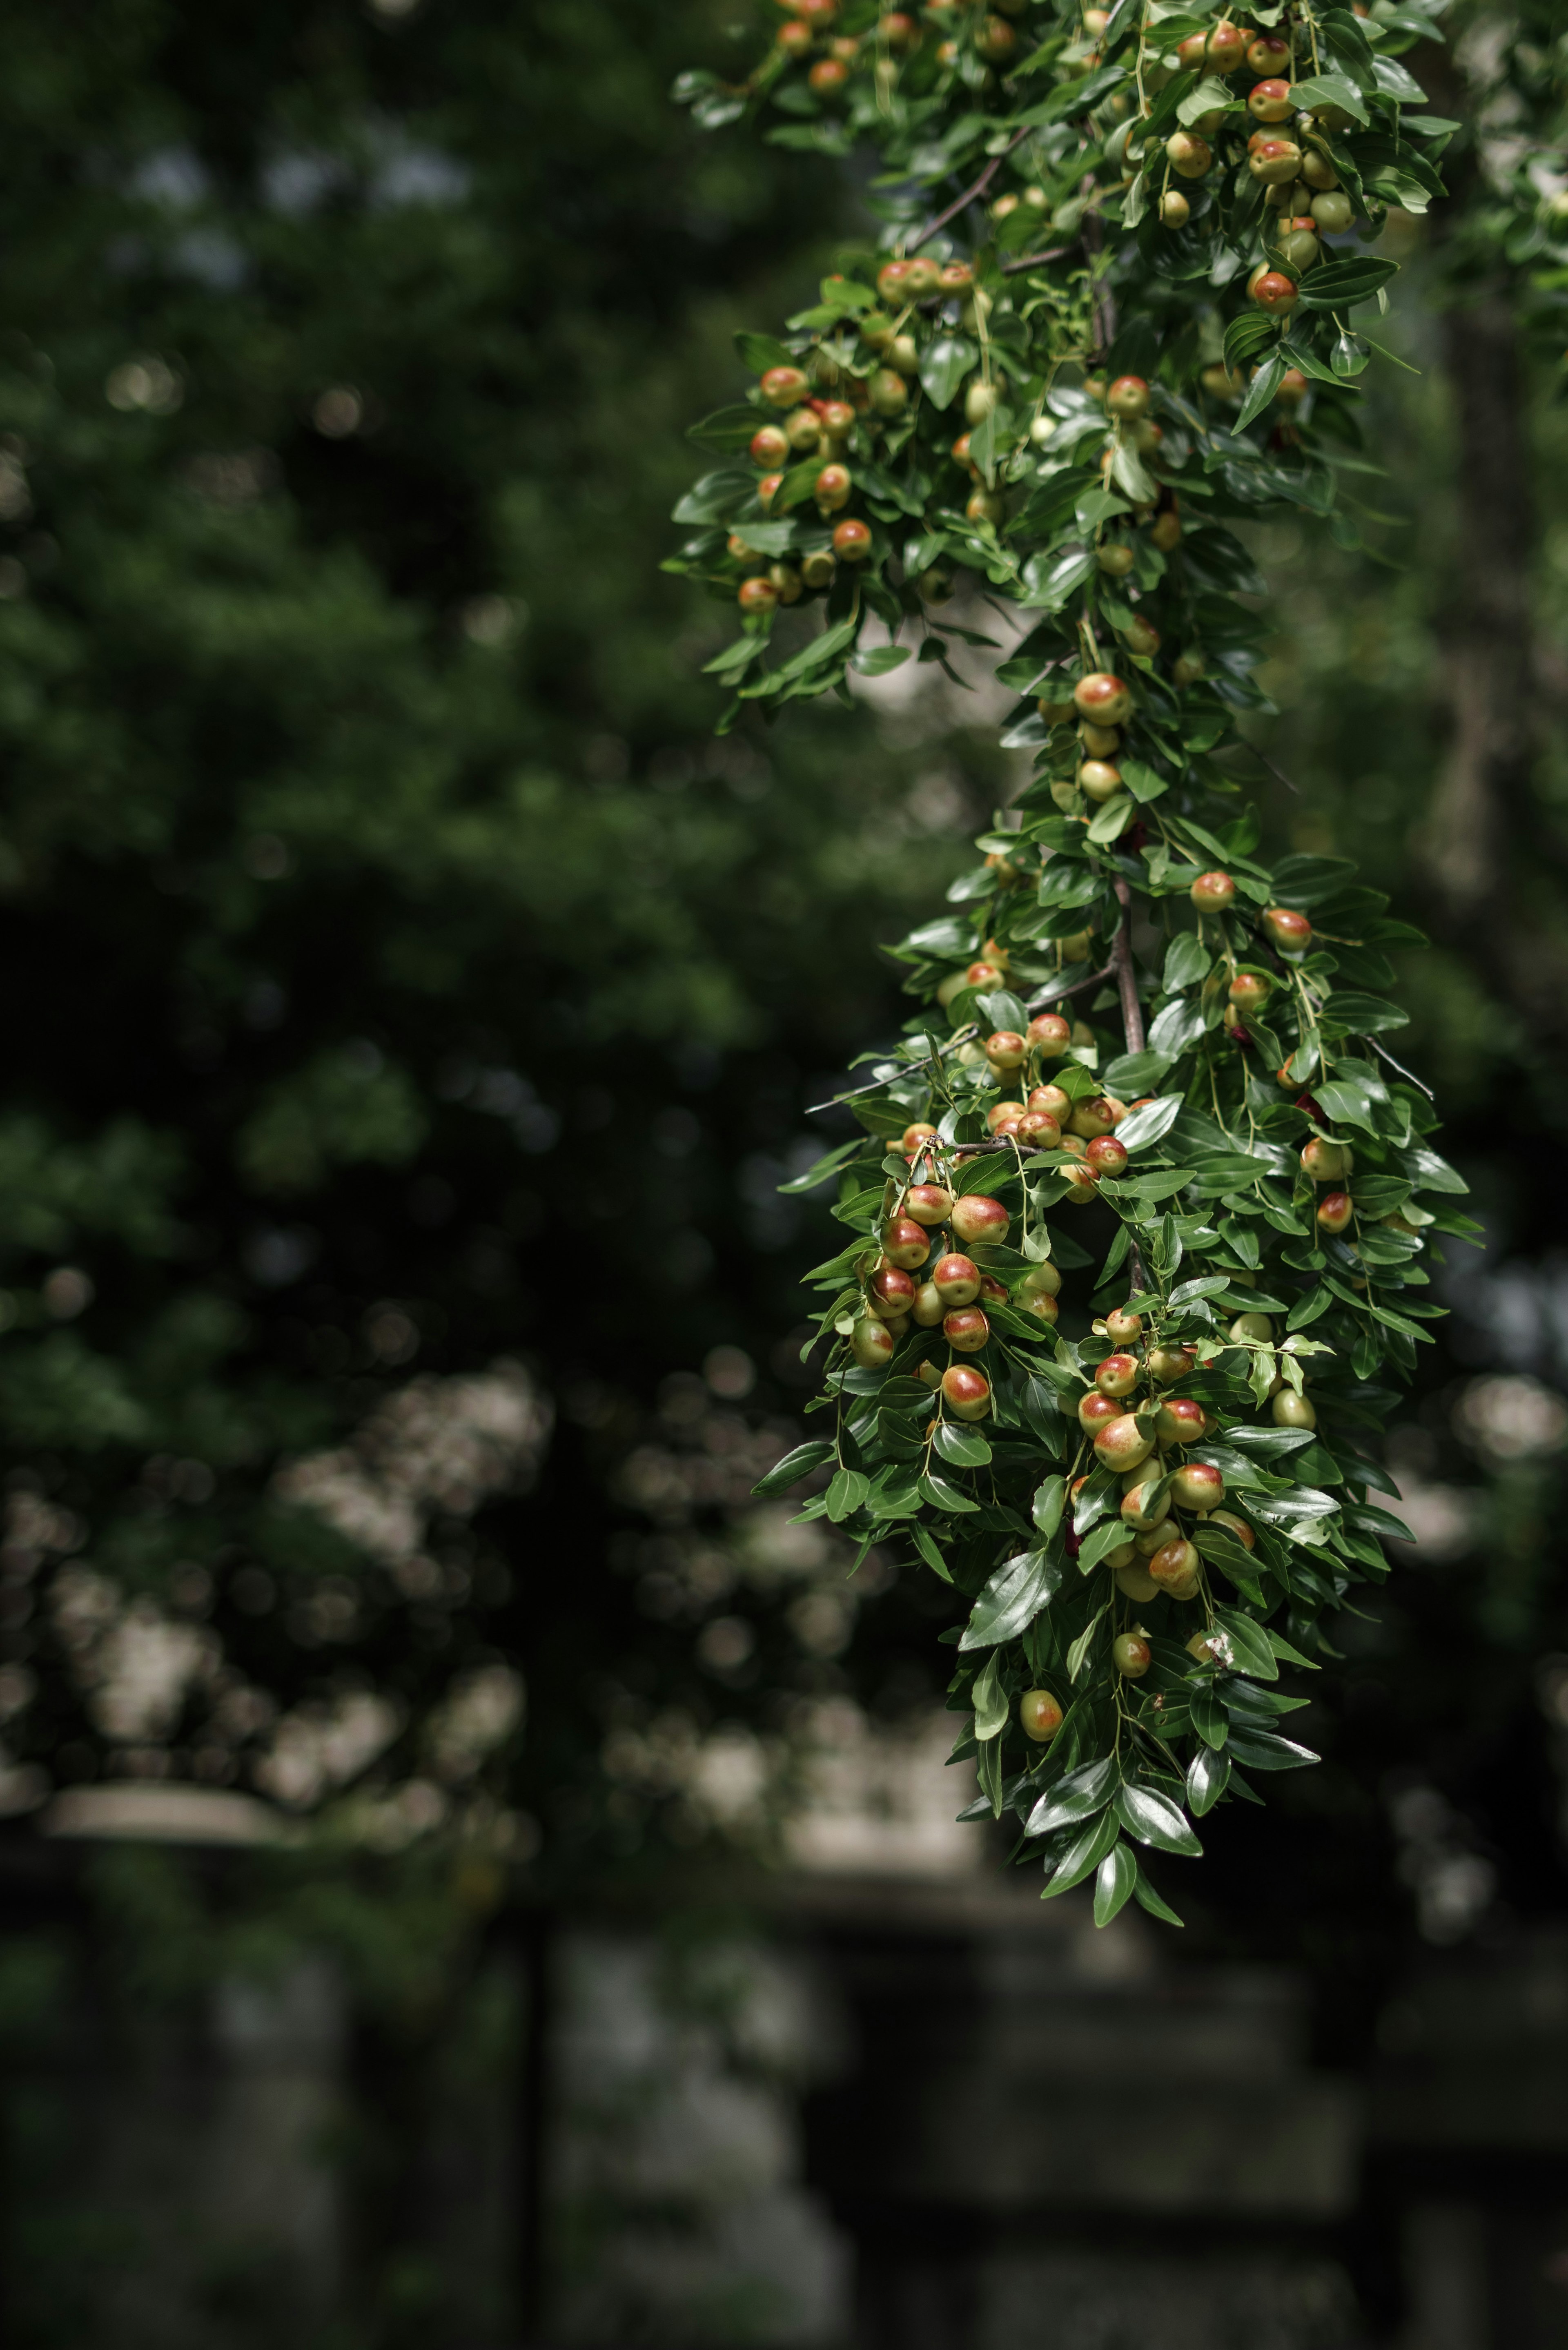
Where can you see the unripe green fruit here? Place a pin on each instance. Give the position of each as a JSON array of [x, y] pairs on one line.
[[1256, 1326], [1292, 1410], [889, 393], [1135, 1583], [1131, 1655], [871, 1343], [978, 400], [1114, 558], [1188, 155], [1332, 212], [1100, 780]]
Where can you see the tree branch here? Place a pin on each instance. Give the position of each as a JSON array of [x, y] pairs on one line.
[[1132, 1024], [970, 195]]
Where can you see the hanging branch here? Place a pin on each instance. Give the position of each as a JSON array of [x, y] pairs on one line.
[[994, 416]]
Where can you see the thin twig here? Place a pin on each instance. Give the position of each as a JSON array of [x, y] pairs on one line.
[[1132, 1024], [1384, 1055], [959, 1036], [1034, 260], [1278, 773], [968, 195], [1054, 990]]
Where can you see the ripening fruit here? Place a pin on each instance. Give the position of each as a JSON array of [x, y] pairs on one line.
[[1334, 1211], [816, 570], [831, 487], [1107, 1156], [899, 32], [977, 1218], [1002, 1111], [1103, 699], [1168, 1364], [1133, 1583], [956, 1280], [1180, 1421], [1039, 1130], [1095, 1116], [1051, 1098], [985, 506], [1175, 211], [837, 418], [770, 446], [1325, 1162], [1128, 396], [1052, 1034], [1268, 54], [789, 582], [1213, 893], [996, 40], [889, 1292], [783, 385], [757, 596], [1274, 161], [956, 279], [1100, 779], [1097, 1411], [829, 76], [1005, 1049], [1122, 1329], [795, 38], [966, 1328], [1142, 637], [1193, 51], [1292, 933], [768, 489], [852, 541], [1251, 1327], [1121, 1444], [1040, 1281], [1140, 1509], [1039, 1716], [912, 1137], [1292, 1410], [1044, 1309], [802, 430], [871, 1343], [1131, 1655], [928, 1203], [1226, 48], [1249, 991], [1333, 211], [1292, 389], [1174, 1564], [1275, 293], [1117, 1374], [888, 392], [966, 1391], [1196, 1485], [1271, 101], [1189, 156], [904, 1244]]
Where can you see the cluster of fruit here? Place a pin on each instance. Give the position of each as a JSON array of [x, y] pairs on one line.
[[1201, 1101]]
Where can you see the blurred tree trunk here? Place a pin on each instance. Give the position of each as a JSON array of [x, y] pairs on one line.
[[1486, 778]]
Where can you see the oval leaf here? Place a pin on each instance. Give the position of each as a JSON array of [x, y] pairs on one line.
[[1154, 1819]]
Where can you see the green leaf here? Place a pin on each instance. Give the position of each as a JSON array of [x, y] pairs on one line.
[[988, 1771], [1155, 1820], [845, 1494], [1079, 1654], [1331, 89], [944, 363], [1012, 1599], [1210, 1719], [760, 352], [1108, 1536], [1111, 821], [964, 1448], [1207, 1775], [1140, 1128], [1261, 1750], [1187, 960], [1334, 285], [943, 1496], [792, 1468], [1114, 1885], [880, 660], [926, 1545], [714, 497], [1147, 1898], [1083, 1855], [1263, 388], [1079, 1796], [989, 1700], [1248, 1643], [1049, 1501]]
